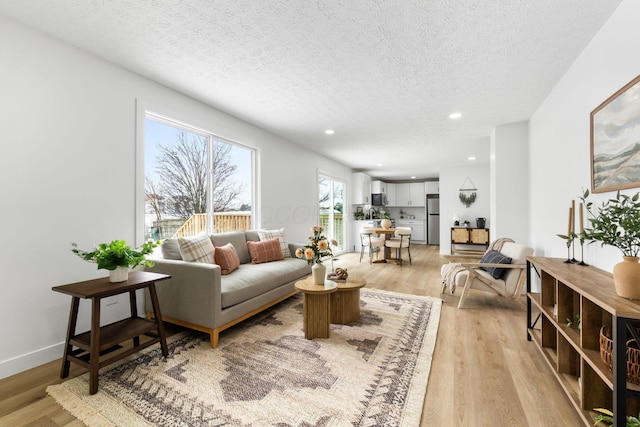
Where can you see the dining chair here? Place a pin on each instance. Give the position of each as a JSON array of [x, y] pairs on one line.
[[369, 239], [401, 239]]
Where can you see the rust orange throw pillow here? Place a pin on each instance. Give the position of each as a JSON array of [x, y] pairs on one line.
[[227, 258], [265, 251]]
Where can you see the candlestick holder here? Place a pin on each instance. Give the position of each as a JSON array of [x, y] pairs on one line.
[[568, 261], [582, 251]]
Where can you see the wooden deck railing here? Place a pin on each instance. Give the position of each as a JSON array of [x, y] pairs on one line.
[[234, 221], [222, 221]]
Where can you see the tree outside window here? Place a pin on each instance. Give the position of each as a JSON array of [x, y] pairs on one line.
[[194, 182]]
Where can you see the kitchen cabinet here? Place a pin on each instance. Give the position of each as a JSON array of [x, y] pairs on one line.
[[361, 188], [378, 187], [391, 194], [410, 194], [433, 187], [417, 227]]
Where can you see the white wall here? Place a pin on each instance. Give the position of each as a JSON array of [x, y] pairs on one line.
[[560, 135], [451, 180], [68, 171], [509, 181]]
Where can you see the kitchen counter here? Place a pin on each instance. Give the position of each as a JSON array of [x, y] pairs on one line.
[[418, 229]]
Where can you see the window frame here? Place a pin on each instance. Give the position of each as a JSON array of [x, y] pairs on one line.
[[143, 112]]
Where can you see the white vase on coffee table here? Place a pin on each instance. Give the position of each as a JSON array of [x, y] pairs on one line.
[[318, 273]]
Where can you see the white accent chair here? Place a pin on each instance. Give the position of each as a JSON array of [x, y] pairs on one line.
[[509, 284], [401, 240], [369, 239]]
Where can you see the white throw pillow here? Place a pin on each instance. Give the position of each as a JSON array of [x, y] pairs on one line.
[[196, 249], [276, 234]]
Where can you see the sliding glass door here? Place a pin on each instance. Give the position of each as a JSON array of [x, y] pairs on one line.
[[331, 197]]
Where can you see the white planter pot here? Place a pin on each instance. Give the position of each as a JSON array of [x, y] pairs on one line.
[[318, 273], [120, 274]]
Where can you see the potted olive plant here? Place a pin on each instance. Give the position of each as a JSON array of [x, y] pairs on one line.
[[616, 222], [117, 257]]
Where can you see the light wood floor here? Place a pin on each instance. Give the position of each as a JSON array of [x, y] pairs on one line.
[[484, 371]]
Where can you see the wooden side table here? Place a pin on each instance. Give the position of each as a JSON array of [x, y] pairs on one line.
[[345, 302], [316, 309], [89, 344]]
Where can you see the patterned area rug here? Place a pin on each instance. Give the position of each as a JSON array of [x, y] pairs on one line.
[[265, 373]]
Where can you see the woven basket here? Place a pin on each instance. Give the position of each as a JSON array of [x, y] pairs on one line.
[[633, 354]]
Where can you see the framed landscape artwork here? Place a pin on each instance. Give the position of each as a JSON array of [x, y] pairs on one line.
[[615, 141]]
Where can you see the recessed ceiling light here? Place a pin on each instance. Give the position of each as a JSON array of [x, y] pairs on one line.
[[455, 115], [471, 157], [379, 165], [413, 177], [329, 131]]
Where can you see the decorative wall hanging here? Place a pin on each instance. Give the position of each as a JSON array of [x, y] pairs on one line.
[[468, 194], [615, 141]]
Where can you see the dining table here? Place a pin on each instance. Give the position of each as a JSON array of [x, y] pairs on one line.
[[387, 232]]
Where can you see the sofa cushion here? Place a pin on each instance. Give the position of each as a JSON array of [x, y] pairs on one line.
[[227, 258], [266, 251], [196, 249], [251, 280], [494, 257], [170, 249], [276, 234], [237, 239]]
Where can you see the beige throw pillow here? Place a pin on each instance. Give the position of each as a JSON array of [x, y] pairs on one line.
[[196, 249], [276, 234]]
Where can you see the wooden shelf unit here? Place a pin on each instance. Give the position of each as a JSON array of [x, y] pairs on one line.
[[467, 236], [572, 353]]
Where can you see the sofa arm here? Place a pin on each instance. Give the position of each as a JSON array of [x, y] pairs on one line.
[[192, 294], [293, 247]]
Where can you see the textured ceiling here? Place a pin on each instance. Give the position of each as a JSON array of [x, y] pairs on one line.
[[385, 74]]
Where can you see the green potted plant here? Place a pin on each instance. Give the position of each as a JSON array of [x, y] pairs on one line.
[[117, 257], [606, 417], [616, 222]]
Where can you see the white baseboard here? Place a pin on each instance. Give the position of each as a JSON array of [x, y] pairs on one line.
[[30, 360]]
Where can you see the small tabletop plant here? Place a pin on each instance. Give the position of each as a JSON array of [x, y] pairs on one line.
[[316, 249], [108, 256], [615, 223]]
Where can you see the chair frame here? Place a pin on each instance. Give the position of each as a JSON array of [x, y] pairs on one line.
[[398, 257], [472, 273], [370, 246]]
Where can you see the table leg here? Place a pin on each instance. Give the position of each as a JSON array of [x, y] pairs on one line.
[[316, 314], [345, 306], [134, 313], [158, 317], [94, 353], [71, 330]]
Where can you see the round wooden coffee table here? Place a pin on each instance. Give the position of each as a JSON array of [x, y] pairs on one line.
[[345, 303], [316, 307]]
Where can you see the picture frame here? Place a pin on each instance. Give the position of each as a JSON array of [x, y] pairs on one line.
[[615, 141]]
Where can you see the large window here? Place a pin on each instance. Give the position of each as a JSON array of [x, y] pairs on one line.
[[331, 208], [195, 182]]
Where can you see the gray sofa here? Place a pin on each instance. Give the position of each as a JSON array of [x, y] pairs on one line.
[[199, 297]]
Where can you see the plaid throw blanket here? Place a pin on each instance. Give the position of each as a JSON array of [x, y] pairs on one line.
[[450, 270]]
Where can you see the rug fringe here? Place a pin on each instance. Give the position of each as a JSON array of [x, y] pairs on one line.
[[76, 406]]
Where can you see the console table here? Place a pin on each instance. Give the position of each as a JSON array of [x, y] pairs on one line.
[[467, 236], [586, 296], [99, 340]]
